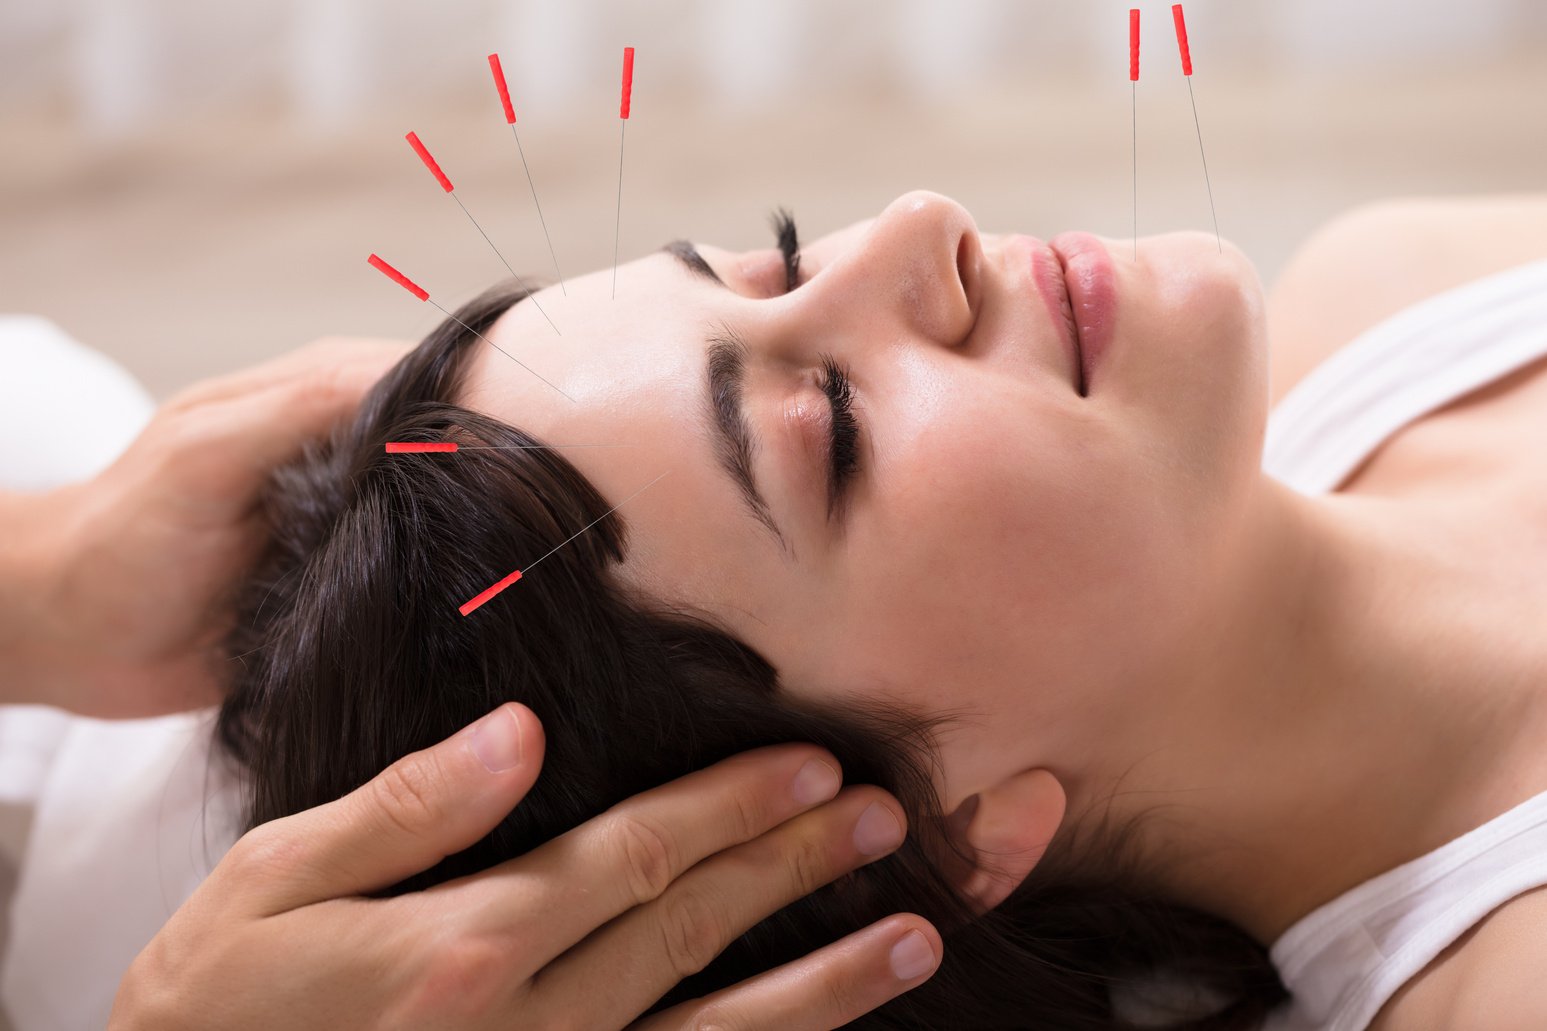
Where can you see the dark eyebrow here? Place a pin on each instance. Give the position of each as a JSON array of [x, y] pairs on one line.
[[725, 373], [685, 252]]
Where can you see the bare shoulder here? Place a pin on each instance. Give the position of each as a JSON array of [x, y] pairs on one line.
[[1377, 259], [1501, 985], [1488, 980]]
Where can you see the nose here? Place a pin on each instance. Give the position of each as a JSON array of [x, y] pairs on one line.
[[916, 271]]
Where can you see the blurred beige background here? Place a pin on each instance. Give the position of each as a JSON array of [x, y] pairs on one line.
[[193, 186]]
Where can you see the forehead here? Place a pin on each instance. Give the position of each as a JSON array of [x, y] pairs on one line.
[[634, 367], [609, 342]]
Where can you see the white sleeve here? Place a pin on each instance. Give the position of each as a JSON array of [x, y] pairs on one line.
[[66, 411], [105, 828], [131, 816]]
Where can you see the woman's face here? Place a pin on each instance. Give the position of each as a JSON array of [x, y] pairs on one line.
[[1002, 545]]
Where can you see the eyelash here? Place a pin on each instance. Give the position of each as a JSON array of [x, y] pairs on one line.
[[845, 454], [789, 246], [835, 377]]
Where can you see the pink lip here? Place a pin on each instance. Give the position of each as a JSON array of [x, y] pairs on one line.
[[1091, 278], [1047, 271]]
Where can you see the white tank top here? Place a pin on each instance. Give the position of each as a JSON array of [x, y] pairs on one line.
[[1345, 959], [1420, 359]]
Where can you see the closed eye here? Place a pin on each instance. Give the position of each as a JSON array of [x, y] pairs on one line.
[[843, 446]]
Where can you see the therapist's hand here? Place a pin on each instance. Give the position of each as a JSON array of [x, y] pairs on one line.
[[118, 587], [586, 931]]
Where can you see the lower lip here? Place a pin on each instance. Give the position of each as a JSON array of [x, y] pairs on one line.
[[1092, 280]]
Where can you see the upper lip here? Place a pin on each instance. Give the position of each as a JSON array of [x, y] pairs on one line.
[[1058, 302]]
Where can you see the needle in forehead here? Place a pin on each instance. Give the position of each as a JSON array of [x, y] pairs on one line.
[[510, 117], [623, 113], [424, 295], [445, 184]]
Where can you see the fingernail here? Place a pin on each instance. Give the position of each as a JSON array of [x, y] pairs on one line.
[[497, 740], [912, 956], [877, 831], [816, 782]]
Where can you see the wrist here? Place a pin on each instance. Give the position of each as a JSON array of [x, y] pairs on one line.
[[34, 555]]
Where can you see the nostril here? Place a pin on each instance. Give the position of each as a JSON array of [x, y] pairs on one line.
[[969, 253], [964, 269], [964, 309]]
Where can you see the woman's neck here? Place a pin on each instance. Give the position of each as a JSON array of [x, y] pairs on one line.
[[1360, 695]]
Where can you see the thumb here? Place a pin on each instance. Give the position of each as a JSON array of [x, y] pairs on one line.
[[422, 808]]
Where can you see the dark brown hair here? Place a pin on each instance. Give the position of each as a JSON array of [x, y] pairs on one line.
[[350, 652]]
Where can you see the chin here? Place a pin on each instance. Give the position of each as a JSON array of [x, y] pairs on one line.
[[1191, 358]]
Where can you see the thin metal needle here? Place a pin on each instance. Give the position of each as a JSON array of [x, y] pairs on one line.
[[598, 519], [497, 347], [487, 594], [1205, 158], [405, 447], [539, 208], [618, 221], [1135, 92], [531, 447], [531, 295]]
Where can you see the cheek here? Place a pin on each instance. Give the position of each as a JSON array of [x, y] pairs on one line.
[[993, 557]]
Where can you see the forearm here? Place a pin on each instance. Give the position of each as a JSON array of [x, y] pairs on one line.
[[30, 560]]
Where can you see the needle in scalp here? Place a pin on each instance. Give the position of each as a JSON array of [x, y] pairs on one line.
[[489, 592], [423, 447]]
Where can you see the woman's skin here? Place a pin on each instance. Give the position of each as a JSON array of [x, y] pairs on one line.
[[1304, 692]]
